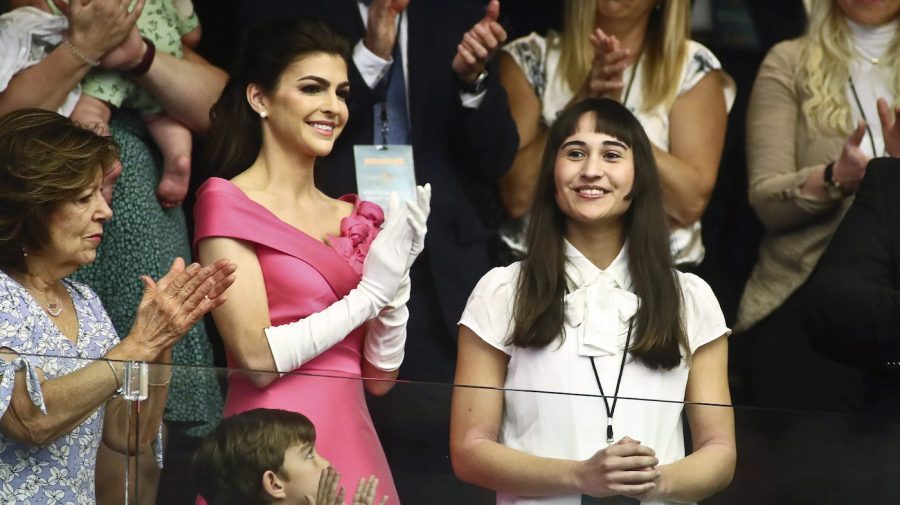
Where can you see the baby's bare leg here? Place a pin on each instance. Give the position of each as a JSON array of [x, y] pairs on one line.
[[93, 114], [174, 141]]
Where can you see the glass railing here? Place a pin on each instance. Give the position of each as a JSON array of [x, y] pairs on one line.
[[784, 456]]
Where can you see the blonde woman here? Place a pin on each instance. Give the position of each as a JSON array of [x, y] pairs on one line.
[[640, 54], [820, 109]]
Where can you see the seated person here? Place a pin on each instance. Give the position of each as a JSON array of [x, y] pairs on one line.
[[264, 456]]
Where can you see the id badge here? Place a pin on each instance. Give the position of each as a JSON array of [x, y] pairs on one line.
[[382, 170]]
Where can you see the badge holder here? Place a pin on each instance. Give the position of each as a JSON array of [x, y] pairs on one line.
[[382, 169]]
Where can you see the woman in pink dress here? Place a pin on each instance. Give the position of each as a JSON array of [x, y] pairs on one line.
[[312, 272]]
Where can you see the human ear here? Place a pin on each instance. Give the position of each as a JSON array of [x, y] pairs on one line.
[[257, 99], [272, 485]]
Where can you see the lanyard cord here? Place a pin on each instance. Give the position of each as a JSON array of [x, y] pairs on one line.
[[611, 411], [631, 80], [863, 114], [387, 82]]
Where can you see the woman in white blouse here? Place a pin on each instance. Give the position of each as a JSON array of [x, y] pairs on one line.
[[599, 280], [640, 54]]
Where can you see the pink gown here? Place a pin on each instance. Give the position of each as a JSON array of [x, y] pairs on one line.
[[303, 276]]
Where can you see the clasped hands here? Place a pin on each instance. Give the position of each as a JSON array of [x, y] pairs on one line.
[[625, 468]]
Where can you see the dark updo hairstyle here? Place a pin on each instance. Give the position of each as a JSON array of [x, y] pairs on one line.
[[267, 50], [45, 160], [538, 314]]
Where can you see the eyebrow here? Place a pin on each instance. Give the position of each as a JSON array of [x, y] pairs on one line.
[[580, 143], [324, 82], [616, 143]]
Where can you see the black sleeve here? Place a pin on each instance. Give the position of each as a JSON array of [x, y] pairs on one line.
[[853, 309]]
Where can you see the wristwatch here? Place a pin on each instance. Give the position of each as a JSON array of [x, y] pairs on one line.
[[477, 86], [834, 188]]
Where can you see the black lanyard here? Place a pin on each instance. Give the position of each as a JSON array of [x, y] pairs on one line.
[[611, 411], [864, 118]]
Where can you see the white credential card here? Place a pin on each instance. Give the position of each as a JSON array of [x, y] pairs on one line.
[[382, 170]]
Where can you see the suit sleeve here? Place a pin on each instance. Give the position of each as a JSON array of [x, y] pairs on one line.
[[852, 298], [487, 134]]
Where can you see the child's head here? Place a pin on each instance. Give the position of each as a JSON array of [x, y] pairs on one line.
[[261, 456]]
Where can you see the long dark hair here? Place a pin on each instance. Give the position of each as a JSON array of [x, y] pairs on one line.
[[235, 132], [659, 333]]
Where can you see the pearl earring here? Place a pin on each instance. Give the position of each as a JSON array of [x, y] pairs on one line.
[[263, 114], [24, 252]]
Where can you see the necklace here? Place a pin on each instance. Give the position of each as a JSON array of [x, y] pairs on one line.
[[611, 411], [54, 309]]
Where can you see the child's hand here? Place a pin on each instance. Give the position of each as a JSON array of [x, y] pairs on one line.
[[365, 492], [330, 493]]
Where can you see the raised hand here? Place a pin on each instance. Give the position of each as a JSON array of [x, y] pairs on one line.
[[98, 26], [381, 27], [126, 55], [479, 45], [385, 264], [365, 492], [850, 167], [890, 127], [172, 305], [624, 468], [607, 75], [418, 216]]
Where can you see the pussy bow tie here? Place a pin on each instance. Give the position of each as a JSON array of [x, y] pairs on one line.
[[597, 316]]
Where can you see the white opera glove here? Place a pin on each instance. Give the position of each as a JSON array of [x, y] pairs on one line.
[[296, 343], [386, 337], [418, 216]]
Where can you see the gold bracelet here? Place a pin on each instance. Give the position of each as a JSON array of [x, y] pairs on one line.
[[163, 384], [80, 54]]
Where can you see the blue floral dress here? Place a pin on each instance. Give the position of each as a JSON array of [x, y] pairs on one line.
[[63, 471]]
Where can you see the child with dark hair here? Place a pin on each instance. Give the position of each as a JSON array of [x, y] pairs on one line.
[[265, 456]]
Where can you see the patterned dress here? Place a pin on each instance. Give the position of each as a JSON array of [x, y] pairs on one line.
[[63, 471], [143, 238]]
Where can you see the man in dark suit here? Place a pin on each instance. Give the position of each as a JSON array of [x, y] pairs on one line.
[[852, 314], [853, 300], [463, 139]]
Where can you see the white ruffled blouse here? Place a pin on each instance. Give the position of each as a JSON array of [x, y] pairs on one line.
[[552, 406]]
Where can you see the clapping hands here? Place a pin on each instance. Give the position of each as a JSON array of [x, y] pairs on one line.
[[331, 493]]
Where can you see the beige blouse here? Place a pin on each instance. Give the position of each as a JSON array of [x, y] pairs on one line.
[[781, 152]]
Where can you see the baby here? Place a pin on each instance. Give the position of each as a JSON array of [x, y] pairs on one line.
[[166, 24], [268, 456]]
